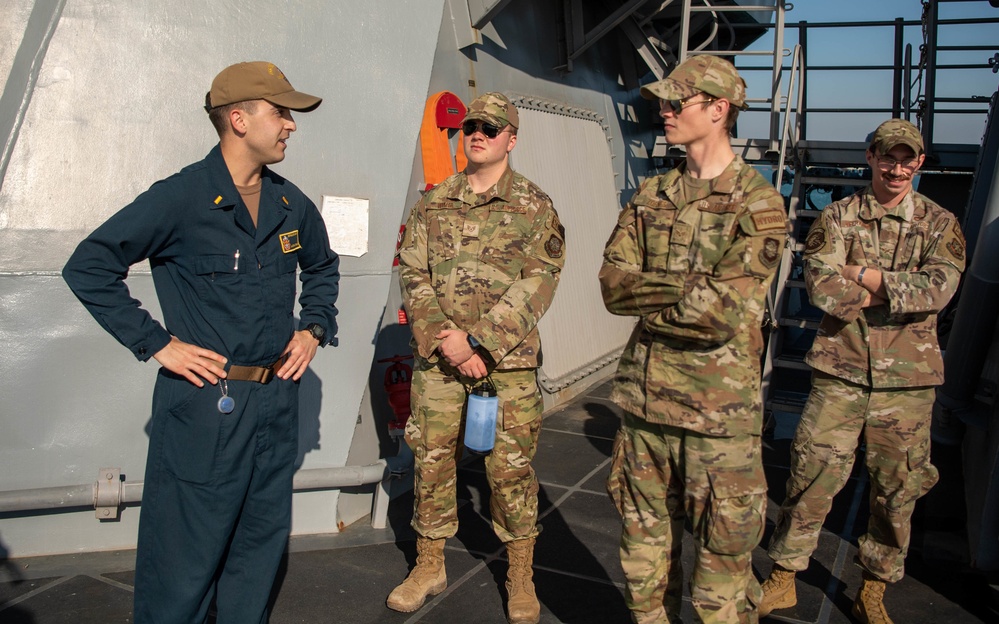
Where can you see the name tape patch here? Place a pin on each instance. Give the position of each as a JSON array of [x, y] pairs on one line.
[[289, 241]]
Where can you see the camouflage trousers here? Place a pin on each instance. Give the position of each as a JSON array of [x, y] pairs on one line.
[[895, 425], [662, 476], [438, 400]]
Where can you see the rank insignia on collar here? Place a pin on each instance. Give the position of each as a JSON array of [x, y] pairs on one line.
[[218, 200], [289, 241]]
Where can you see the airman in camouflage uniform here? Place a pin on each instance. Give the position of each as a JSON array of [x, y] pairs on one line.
[[479, 266], [881, 264], [692, 256]]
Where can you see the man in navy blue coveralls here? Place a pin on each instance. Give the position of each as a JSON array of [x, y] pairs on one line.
[[223, 237]]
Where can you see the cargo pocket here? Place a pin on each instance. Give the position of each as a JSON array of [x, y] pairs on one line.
[[922, 474], [617, 480], [736, 510], [191, 436], [521, 406]]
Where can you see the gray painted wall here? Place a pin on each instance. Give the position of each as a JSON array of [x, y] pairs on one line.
[[112, 104]]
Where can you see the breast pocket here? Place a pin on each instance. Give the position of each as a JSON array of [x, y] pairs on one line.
[[443, 234], [714, 233], [854, 247], [221, 288], [504, 240], [655, 228], [287, 266], [909, 256]]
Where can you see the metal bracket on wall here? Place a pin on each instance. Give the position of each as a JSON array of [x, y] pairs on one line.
[[107, 493]]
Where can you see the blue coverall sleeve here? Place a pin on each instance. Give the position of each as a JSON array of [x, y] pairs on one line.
[[320, 275], [97, 270]]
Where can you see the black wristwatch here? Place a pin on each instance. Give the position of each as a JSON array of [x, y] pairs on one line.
[[482, 351], [318, 332]]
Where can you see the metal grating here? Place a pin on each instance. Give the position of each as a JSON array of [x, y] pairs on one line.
[[565, 151]]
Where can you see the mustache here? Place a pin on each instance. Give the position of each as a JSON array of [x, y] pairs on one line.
[[901, 177]]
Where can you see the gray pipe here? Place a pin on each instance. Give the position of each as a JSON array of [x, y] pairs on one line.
[[64, 497], [85, 495]]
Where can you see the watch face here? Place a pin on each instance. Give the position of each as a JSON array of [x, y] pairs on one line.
[[317, 331]]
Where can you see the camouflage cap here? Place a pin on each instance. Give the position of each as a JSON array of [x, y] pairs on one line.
[[703, 73], [494, 108], [896, 132], [257, 80]]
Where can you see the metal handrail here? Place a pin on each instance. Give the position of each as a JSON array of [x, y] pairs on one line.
[[905, 100], [797, 70], [778, 8]]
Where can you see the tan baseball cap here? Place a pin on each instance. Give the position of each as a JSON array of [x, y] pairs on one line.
[[896, 132], [258, 80], [702, 73], [494, 108]]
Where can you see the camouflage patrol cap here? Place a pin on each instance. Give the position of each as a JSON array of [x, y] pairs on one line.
[[702, 73], [258, 80], [494, 108], [896, 132]]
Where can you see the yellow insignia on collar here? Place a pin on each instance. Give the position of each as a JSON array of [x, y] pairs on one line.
[[218, 199], [285, 200], [289, 241]]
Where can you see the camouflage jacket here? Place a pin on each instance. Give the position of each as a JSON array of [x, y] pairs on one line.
[[486, 264], [696, 272], [919, 248]]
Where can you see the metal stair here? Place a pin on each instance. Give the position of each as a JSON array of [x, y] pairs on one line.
[[825, 167]]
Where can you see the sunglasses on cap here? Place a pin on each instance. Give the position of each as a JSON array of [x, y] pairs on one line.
[[677, 106], [491, 131]]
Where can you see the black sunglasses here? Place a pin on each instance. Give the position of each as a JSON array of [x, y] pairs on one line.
[[491, 131]]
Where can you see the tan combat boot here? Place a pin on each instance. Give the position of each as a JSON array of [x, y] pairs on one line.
[[868, 608], [522, 605], [778, 591], [428, 578]]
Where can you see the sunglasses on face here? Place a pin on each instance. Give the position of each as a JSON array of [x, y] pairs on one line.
[[491, 131], [677, 106]]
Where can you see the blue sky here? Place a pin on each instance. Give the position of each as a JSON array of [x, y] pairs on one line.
[[874, 46]]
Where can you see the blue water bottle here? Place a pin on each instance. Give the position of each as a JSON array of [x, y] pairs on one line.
[[480, 418]]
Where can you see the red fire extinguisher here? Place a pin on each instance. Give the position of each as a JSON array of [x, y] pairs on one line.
[[398, 379]]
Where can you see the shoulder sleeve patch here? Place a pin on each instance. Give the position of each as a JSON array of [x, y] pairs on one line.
[[770, 220], [554, 234], [557, 225], [770, 253], [816, 240], [554, 247], [956, 245]]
